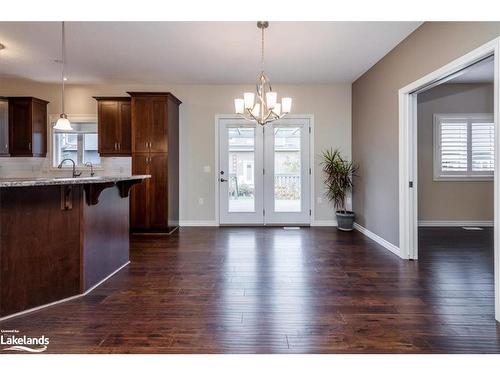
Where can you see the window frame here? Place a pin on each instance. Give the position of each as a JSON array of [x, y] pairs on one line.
[[438, 174], [72, 118]]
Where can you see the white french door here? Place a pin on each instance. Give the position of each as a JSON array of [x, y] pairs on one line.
[[264, 175]]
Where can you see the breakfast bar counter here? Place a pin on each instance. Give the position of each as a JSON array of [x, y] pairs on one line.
[[60, 237]]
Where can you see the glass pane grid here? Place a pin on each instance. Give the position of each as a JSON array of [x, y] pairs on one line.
[[241, 174], [287, 169]]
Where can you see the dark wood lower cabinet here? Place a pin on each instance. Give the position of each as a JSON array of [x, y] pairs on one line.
[[149, 201], [53, 245], [139, 205]]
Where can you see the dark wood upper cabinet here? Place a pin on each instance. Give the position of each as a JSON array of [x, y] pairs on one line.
[[27, 126], [113, 123], [155, 150]]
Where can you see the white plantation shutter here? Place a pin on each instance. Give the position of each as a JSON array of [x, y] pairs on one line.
[[454, 147], [464, 146], [482, 145]]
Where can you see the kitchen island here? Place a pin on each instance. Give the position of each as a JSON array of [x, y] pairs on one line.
[[60, 237]]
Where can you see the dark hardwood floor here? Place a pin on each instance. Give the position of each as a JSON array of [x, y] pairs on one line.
[[268, 290]]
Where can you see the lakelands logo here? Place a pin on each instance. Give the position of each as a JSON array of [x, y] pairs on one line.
[[23, 343]]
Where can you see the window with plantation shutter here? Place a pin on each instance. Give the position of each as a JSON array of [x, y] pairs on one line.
[[463, 146]]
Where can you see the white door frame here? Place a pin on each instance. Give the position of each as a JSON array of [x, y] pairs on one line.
[[408, 204], [219, 117]]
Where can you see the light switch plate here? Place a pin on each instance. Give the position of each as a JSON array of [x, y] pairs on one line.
[[206, 169], [201, 201]]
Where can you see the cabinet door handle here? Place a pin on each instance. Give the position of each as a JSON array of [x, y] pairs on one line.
[[119, 146], [150, 143], [29, 146], [147, 144]]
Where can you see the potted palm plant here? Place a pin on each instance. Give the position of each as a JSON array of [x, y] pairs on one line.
[[338, 173]]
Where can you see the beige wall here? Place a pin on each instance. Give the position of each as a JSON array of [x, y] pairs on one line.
[[451, 200], [375, 114], [330, 105]]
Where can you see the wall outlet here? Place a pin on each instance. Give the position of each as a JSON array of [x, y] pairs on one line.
[[206, 169], [201, 201]]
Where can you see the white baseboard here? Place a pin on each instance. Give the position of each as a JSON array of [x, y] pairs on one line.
[[64, 299], [455, 223], [198, 223], [324, 223], [389, 246]]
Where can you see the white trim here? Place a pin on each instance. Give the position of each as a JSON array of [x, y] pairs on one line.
[[455, 223], [198, 223], [389, 246], [64, 299], [323, 223], [312, 191], [408, 221]]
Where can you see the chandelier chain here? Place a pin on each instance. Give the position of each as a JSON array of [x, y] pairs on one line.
[[262, 52]]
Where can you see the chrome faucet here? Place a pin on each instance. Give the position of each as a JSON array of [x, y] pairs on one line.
[[89, 164], [74, 167]]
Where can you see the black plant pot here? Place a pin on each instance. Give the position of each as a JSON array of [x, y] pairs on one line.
[[345, 220]]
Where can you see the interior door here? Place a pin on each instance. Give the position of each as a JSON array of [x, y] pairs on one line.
[[287, 172], [241, 172]]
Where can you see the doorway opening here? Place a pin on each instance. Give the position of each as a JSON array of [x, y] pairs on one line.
[[457, 153], [264, 172]]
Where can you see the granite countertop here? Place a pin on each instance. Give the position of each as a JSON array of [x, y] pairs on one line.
[[46, 181]]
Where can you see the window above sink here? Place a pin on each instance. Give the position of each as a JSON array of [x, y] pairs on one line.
[[80, 145]]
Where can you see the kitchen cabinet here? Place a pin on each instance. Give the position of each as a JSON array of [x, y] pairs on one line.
[[149, 203], [155, 151], [27, 126], [114, 126], [4, 127]]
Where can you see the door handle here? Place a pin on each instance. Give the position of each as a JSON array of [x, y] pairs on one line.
[[223, 180]]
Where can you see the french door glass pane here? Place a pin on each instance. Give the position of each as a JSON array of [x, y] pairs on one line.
[[241, 176], [287, 179]]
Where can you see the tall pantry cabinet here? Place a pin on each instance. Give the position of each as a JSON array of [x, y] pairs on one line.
[[154, 205]]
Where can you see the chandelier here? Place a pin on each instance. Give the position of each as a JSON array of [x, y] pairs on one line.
[[263, 105]]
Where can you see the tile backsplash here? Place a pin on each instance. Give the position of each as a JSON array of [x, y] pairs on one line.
[[25, 167]]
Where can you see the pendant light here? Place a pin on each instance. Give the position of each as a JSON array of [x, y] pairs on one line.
[[63, 123], [262, 106]]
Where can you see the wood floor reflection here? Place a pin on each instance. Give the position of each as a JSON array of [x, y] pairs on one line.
[[267, 290]]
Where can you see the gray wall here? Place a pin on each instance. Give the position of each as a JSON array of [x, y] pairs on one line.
[[451, 200], [375, 114]]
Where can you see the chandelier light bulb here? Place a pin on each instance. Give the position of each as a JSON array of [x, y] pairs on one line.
[[277, 109], [286, 105], [239, 106], [249, 99], [256, 110], [271, 98]]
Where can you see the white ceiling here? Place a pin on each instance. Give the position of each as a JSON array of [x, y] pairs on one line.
[[197, 52], [481, 72]]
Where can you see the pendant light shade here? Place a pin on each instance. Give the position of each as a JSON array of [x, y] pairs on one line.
[[63, 123]]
